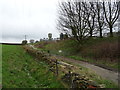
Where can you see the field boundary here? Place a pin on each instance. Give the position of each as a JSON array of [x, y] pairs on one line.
[[63, 70], [11, 43]]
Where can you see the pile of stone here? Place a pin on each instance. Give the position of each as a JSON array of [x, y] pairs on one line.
[[75, 80]]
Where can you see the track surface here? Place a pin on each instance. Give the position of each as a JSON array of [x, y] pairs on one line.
[[104, 73]]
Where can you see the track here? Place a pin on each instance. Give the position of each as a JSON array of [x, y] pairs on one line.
[[104, 73]]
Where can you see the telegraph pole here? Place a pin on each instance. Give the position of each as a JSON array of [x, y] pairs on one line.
[[25, 37]]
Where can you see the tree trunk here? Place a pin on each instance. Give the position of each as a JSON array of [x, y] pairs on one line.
[[90, 33], [111, 32], [100, 32]]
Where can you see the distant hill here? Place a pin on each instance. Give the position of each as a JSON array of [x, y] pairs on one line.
[[11, 43]]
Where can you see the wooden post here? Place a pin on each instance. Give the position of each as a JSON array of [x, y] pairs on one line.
[[49, 53], [56, 68], [71, 81]]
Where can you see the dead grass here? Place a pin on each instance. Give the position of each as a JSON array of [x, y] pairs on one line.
[[107, 51]]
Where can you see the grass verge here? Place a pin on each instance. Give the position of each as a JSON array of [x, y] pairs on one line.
[[20, 70], [92, 76], [115, 66]]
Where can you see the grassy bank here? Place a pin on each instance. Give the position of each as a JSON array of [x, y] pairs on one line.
[[20, 70], [84, 72], [103, 51]]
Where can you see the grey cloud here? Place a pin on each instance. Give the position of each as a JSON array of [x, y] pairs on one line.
[[34, 18]]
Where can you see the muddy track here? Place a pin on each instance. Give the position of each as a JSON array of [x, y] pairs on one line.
[[104, 73]]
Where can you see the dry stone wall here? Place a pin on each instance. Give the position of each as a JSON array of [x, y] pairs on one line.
[[62, 70]]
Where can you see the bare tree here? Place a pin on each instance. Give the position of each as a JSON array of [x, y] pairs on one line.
[[111, 12], [100, 17], [72, 19], [83, 19], [64, 21], [90, 13]]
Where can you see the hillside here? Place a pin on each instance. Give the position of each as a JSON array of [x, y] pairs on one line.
[[20, 70], [100, 51], [83, 74]]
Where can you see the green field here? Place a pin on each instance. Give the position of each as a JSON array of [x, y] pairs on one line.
[[20, 70], [0, 64]]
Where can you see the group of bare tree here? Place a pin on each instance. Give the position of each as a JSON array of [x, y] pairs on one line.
[[86, 19]]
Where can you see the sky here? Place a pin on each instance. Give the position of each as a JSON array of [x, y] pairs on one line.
[[34, 18]]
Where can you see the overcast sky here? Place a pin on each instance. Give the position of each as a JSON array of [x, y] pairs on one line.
[[34, 18]]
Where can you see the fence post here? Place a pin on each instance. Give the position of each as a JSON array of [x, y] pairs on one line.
[[49, 53], [56, 67], [71, 81]]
